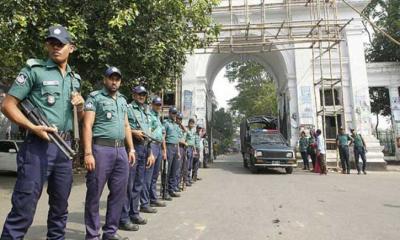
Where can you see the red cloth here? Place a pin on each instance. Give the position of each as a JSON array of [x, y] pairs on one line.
[[317, 167]]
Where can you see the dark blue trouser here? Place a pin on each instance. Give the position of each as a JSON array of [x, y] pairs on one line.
[[149, 191], [111, 168], [360, 152], [173, 166], [344, 157], [39, 161], [130, 209], [182, 170], [189, 164], [304, 156], [196, 165]]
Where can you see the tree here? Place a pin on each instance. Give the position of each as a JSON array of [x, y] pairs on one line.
[[380, 103], [144, 38], [223, 128], [386, 15], [257, 91]]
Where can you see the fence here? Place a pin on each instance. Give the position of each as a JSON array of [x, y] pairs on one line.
[[386, 139]]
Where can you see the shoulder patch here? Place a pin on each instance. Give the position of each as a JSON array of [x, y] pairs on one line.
[[94, 93], [21, 79], [35, 62]]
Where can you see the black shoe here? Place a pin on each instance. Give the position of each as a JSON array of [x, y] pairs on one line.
[[158, 204], [198, 179], [174, 194], [177, 190], [343, 171], [139, 220], [206, 166], [189, 184], [365, 173], [128, 226], [348, 172], [148, 209], [114, 237], [167, 198], [358, 173]]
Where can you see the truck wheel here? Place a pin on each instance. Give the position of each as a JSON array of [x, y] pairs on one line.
[[289, 170]]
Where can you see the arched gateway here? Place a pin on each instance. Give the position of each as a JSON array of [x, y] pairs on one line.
[[315, 53]]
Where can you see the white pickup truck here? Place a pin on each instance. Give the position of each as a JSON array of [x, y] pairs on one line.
[[8, 154]]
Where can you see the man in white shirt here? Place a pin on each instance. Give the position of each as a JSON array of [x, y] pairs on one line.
[[321, 151]]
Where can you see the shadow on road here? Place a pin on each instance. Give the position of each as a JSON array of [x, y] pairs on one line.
[[41, 230], [237, 168]]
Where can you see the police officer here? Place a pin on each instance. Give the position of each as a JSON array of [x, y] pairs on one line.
[[182, 169], [172, 139], [191, 150], [159, 152], [342, 143], [105, 129], [196, 157], [51, 86], [360, 149], [140, 125]]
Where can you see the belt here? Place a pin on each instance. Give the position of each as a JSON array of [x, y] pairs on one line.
[[144, 142], [109, 142], [173, 144]]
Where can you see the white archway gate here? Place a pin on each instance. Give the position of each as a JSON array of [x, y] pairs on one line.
[[314, 53]]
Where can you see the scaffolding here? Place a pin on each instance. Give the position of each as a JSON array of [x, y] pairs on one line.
[[321, 33]]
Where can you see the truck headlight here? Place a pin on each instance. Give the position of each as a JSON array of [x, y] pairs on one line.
[[258, 154], [289, 155]]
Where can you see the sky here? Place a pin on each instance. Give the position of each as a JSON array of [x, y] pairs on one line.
[[223, 89]]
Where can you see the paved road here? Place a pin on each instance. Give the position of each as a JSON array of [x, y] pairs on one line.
[[231, 203]]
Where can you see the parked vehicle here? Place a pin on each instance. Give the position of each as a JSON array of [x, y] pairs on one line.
[[263, 146], [8, 154]]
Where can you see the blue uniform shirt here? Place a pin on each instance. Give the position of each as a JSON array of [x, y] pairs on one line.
[[139, 118], [42, 82], [171, 131], [110, 114], [157, 129]]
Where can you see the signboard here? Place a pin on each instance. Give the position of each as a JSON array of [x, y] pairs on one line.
[[187, 103]]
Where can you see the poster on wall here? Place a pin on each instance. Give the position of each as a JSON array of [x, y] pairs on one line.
[[306, 110], [395, 105], [187, 103]]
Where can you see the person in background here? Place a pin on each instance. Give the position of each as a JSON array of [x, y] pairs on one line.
[[311, 149], [206, 149], [303, 146], [342, 143], [321, 152], [360, 149]]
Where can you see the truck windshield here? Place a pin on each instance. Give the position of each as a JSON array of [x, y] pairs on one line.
[[264, 138]]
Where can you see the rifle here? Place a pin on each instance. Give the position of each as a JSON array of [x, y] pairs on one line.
[[37, 117], [164, 180], [75, 128]]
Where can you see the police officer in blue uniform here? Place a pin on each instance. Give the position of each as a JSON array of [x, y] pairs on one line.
[[50, 85], [149, 194], [105, 131], [190, 139], [140, 127], [172, 139], [196, 157], [181, 174]]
